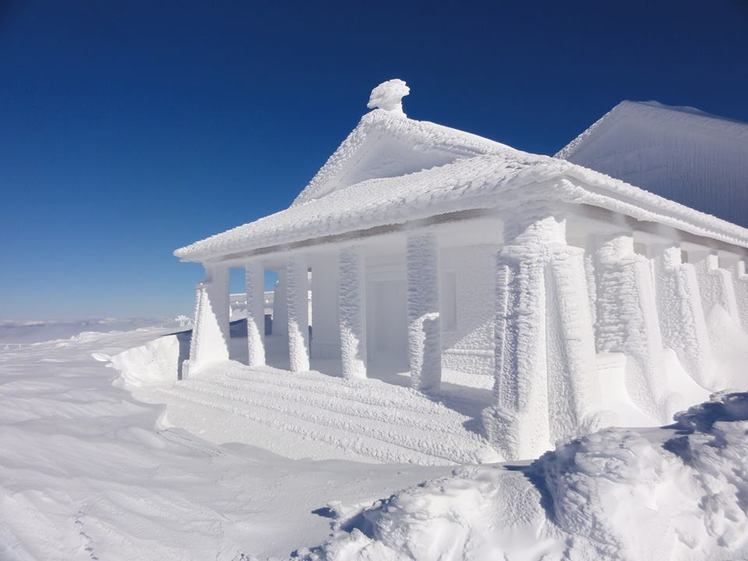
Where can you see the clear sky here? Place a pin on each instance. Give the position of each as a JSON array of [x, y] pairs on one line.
[[130, 128]]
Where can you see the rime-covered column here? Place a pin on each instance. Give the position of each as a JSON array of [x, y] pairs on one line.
[[297, 291], [573, 387], [627, 320], [424, 332], [740, 280], [255, 284], [544, 340], [715, 285], [210, 334], [680, 313], [352, 303]]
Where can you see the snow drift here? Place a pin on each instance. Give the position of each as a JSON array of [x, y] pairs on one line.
[[677, 492]]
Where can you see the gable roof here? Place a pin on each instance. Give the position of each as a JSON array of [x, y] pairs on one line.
[[388, 144], [507, 179], [680, 153]]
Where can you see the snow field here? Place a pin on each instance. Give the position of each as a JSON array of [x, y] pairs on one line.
[[88, 472]]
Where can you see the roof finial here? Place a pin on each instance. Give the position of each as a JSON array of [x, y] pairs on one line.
[[389, 96]]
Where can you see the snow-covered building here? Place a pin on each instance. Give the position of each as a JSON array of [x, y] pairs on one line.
[[680, 153], [432, 249]]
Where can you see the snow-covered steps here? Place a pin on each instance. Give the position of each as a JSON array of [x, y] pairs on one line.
[[315, 415]]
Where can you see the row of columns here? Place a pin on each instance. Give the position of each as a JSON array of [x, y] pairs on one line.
[[558, 305], [211, 335], [545, 354]]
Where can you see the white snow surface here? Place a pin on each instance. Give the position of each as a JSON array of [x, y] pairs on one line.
[[305, 414], [680, 153], [90, 472], [487, 175], [673, 493], [16, 332]]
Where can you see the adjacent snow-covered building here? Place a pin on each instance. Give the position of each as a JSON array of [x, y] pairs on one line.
[[426, 248], [681, 153]]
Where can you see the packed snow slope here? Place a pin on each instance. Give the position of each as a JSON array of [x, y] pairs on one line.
[[311, 414], [676, 493], [680, 153], [88, 472]]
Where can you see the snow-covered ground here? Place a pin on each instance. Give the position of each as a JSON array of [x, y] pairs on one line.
[[14, 333], [90, 471]]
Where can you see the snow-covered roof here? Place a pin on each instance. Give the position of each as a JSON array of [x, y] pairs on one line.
[[391, 170], [388, 144], [680, 153]]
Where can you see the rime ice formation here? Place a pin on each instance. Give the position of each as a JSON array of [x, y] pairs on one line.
[[352, 313], [255, 281], [680, 153], [298, 313], [428, 253], [389, 96], [424, 342]]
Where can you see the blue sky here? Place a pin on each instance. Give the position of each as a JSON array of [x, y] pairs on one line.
[[128, 129]]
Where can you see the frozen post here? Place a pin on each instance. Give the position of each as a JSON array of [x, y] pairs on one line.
[[255, 284], [424, 334], [573, 385], [740, 281], [627, 321], [715, 284], [518, 423], [352, 313], [210, 334], [297, 292], [680, 313]]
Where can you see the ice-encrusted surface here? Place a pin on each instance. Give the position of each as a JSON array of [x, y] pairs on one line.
[[681, 153], [419, 145], [677, 492], [389, 95], [505, 180]]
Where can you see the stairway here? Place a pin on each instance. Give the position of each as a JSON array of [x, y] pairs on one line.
[[313, 415]]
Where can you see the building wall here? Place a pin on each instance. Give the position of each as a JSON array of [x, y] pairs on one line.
[[324, 306], [468, 287]]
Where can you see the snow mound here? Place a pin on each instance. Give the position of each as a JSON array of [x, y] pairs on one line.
[[676, 492]]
